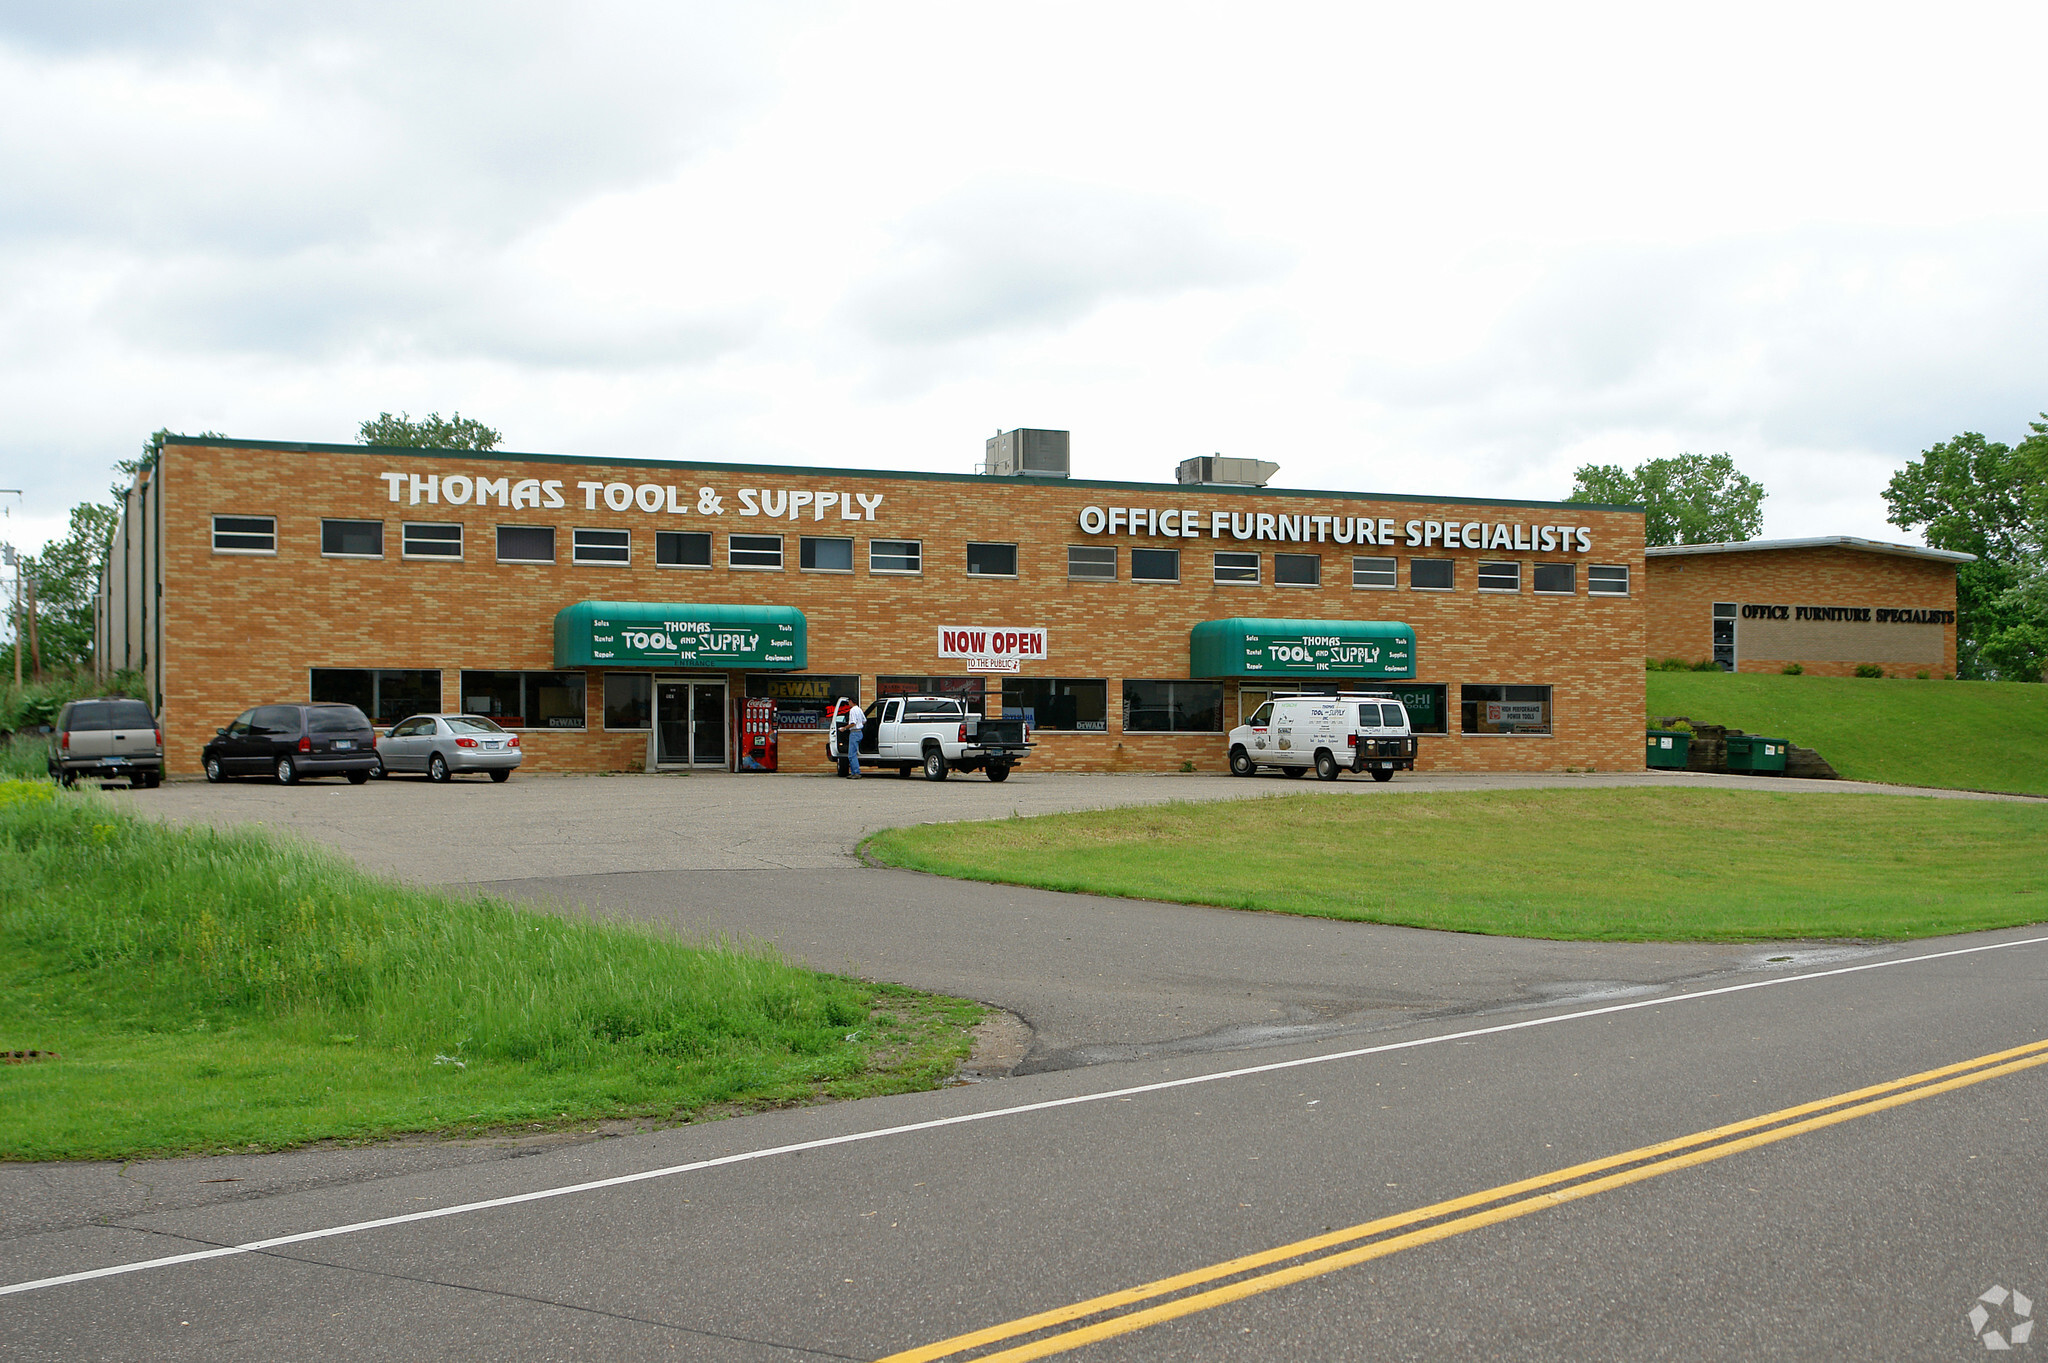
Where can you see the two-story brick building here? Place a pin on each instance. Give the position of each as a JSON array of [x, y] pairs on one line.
[[616, 611]]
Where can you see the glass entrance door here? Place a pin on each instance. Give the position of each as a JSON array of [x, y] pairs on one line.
[[689, 717]]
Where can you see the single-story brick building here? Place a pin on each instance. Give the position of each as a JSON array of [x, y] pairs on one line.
[[1829, 604], [619, 611]]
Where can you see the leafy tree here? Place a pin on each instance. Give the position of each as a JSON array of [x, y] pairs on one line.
[[1687, 499], [1990, 499], [66, 574], [457, 432]]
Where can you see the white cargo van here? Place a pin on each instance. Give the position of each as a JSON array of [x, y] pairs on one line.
[[1351, 731]]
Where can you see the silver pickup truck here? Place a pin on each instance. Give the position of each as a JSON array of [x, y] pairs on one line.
[[937, 735]]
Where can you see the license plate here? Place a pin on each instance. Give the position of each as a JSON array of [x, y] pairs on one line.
[[494, 743], [117, 761], [343, 744]]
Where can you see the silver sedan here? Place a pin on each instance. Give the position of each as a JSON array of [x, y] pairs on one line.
[[442, 746]]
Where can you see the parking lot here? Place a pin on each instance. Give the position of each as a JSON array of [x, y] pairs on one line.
[[549, 826]]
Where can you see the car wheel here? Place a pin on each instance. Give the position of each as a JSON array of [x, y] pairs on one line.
[[215, 772], [998, 771], [68, 779], [1326, 765], [1383, 774], [437, 768], [359, 778], [378, 770], [1292, 773], [502, 775], [287, 771], [1241, 763], [934, 765]]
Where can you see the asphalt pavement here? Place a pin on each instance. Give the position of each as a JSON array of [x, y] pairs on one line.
[[1199, 1086]]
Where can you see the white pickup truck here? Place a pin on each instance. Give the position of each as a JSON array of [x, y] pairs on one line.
[[936, 735]]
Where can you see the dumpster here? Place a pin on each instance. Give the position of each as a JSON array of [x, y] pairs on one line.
[[1757, 755], [1667, 748]]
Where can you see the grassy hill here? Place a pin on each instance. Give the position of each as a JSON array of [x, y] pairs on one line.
[[1964, 735]]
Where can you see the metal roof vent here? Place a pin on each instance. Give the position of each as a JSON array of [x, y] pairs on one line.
[[1214, 468], [1035, 454]]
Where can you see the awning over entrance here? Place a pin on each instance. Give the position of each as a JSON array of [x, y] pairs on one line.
[[639, 633], [1301, 648]]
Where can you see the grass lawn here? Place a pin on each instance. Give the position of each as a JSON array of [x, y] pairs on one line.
[[209, 990], [1961, 735], [1650, 864]]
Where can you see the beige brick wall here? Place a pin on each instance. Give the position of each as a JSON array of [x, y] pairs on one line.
[[243, 630], [1682, 590]]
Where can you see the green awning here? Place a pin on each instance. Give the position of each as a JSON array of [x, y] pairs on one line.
[[638, 633], [1301, 648]]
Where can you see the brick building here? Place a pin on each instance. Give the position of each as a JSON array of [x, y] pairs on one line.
[[1827, 604], [615, 611]]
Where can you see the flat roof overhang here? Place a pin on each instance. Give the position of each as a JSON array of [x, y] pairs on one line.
[[681, 634], [1251, 647]]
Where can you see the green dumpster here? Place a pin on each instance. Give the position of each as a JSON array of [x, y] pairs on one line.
[[1667, 748], [1757, 755]]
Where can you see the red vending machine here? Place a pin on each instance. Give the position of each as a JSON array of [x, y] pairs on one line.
[[757, 734]]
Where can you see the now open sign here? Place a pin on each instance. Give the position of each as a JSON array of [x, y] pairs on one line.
[[999, 648]]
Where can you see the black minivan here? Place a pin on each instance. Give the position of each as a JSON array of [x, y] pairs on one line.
[[291, 741]]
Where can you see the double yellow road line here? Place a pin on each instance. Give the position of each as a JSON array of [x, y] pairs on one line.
[[1136, 1308]]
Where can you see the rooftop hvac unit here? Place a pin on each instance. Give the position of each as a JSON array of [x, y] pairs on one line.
[[1214, 468], [1036, 454]]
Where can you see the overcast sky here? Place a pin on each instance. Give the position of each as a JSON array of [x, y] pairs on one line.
[[1418, 249]]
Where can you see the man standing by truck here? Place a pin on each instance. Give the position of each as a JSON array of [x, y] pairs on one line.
[[847, 723]]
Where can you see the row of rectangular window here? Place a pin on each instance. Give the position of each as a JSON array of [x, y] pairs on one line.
[[557, 700], [1096, 563]]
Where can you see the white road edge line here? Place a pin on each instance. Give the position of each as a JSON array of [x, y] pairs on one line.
[[594, 1185]]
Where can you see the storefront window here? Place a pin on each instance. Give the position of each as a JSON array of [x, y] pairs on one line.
[[1504, 709], [969, 691], [1058, 702], [1427, 713], [628, 700], [801, 703], [526, 700], [385, 694], [1155, 565], [1181, 707]]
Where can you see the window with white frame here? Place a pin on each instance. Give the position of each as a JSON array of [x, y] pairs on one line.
[[245, 534], [1232, 566], [1500, 577], [1092, 562], [895, 556], [1432, 574], [601, 546], [1155, 565], [1298, 570], [1555, 579], [352, 539], [682, 549], [1373, 574], [991, 560], [425, 539], [1607, 579], [526, 544], [822, 554], [753, 551]]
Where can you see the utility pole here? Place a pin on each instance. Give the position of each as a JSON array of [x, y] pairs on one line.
[[13, 560]]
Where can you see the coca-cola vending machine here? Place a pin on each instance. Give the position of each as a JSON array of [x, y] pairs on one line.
[[757, 742]]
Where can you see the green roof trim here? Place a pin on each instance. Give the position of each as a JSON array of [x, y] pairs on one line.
[[909, 475], [681, 634], [1250, 647]]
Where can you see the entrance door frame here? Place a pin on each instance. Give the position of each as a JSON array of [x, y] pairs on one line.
[[693, 680]]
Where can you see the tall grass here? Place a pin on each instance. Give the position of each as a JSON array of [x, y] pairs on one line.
[[124, 926], [24, 757]]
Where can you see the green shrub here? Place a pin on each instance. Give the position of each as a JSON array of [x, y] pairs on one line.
[[28, 707], [1792, 670], [1666, 665], [1704, 665], [1921, 675], [1869, 670]]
